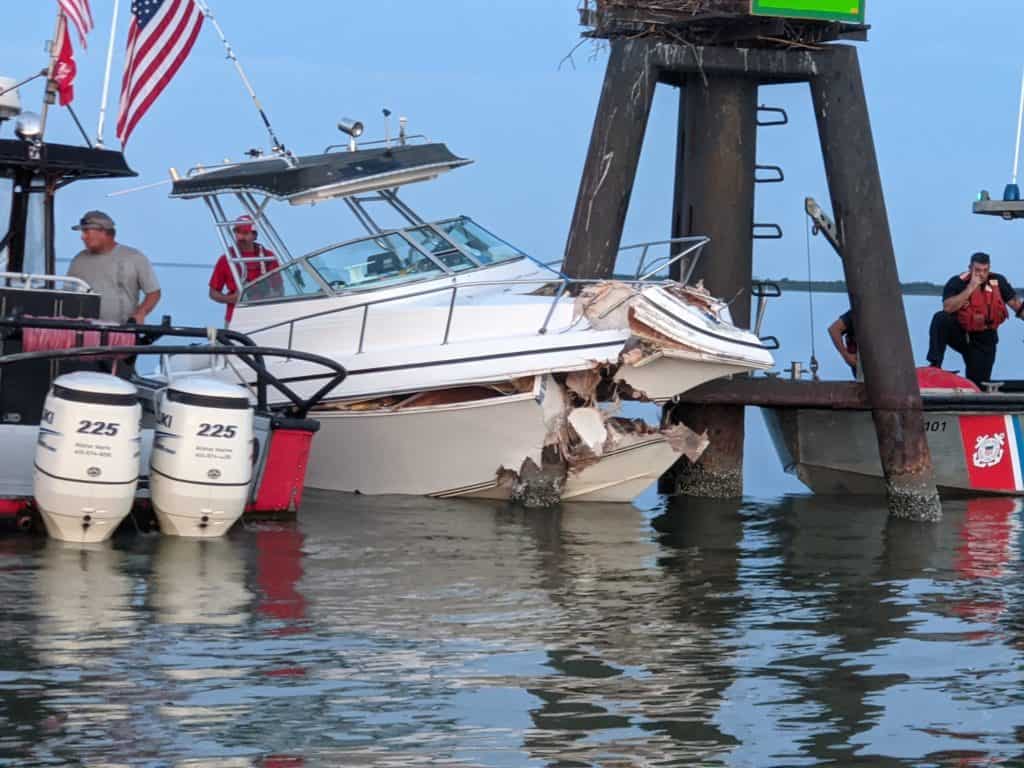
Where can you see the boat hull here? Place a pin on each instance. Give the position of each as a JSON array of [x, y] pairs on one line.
[[836, 451], [428, 451], [477, 449]]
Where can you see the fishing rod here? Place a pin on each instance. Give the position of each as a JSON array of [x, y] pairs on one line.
[[276, 146]]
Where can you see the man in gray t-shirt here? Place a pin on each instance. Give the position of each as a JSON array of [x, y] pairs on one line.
[[116, 272]]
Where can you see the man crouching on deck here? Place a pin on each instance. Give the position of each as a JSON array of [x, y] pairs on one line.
[[973, 307]]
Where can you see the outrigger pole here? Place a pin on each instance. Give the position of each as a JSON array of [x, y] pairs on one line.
[[106, 76], [277, 147], [26, 81]]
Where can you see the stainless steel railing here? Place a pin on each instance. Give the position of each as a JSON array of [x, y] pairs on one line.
[[28, 280], [694, 246]]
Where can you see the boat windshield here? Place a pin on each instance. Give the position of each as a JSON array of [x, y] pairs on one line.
[[385, 260], [291, 281], [373, 262], [470, 238]]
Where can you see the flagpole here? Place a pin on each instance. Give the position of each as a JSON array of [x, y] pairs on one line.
[[106, 76], [276, 145], [58, 38]]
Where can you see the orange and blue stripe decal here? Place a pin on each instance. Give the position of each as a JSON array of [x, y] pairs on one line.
[[993, 447]]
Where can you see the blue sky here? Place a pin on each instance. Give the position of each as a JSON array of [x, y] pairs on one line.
[[485, 77]]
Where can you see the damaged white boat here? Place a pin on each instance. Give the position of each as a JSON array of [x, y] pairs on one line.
[[473, 369], [522, 440]]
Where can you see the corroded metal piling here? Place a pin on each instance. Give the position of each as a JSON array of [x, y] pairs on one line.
[[714, 196], [614, 153], [872, 279]]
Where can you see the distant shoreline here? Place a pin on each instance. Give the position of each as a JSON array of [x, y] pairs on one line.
[[918, 288]]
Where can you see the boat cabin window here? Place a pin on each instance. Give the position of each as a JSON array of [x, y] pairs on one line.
[[374, 262], [289, 282], [481, 244]]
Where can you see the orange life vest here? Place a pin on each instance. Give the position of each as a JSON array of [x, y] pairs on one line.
[[985, 310]]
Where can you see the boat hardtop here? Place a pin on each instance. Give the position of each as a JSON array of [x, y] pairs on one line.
[[314, 178]]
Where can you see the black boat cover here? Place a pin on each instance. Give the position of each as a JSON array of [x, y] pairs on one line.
[[317, 177], [63, 161]]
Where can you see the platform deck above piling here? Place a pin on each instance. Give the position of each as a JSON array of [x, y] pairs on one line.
[[774, 392]]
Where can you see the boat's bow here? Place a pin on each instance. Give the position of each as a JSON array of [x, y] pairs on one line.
[[680, 337]]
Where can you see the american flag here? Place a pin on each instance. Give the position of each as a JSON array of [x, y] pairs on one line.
[[159, 40], [79, 14]]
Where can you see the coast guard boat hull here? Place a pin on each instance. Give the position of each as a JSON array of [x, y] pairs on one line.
[[976, 441]]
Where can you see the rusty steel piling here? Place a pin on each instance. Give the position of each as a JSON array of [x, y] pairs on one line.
[[612, 158], [869, 263], [714, 195]]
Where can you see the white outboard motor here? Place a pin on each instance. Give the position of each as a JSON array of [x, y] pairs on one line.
[[202, 461], [87, 456]]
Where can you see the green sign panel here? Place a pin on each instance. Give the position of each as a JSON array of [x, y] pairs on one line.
[[827, 10]]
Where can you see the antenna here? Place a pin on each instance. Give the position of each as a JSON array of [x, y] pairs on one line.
[[275, 143], [1020, 123], [106, 76]]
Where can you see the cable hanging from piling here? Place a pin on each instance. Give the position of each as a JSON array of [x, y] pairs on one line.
[[810, 303]]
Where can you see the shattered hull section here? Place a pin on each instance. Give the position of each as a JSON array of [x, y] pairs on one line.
[[680, 338], [535, 441]]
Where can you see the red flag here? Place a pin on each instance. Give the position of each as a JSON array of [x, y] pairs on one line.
[[64, 71]]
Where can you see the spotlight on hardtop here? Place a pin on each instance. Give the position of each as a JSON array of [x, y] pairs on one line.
[[28, 126], [353, 128]]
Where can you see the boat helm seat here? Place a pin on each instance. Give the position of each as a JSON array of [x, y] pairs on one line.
[[383, 263]]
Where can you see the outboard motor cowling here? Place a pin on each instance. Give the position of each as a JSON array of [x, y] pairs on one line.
[[201, 466], [87, 456]]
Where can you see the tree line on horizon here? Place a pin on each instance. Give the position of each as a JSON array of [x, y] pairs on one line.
[[913, 288]]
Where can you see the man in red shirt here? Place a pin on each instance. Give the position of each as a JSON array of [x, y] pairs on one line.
[[223, 289]]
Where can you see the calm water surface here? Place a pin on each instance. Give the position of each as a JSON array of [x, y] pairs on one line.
[[789, 632], [402, 632]]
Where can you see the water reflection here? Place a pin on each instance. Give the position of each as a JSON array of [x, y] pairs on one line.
[[398, 631], [82, 602], [85, 628], [199, 581], [278, 572]]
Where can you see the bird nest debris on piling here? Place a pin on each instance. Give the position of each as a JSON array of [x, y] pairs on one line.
[[708, 22], [681, 7]]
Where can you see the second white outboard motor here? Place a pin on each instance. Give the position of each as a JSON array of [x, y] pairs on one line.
[[201, 466], [87, 456]]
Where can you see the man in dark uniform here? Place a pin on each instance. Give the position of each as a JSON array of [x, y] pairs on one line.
[[974, 305], [844, 337]]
